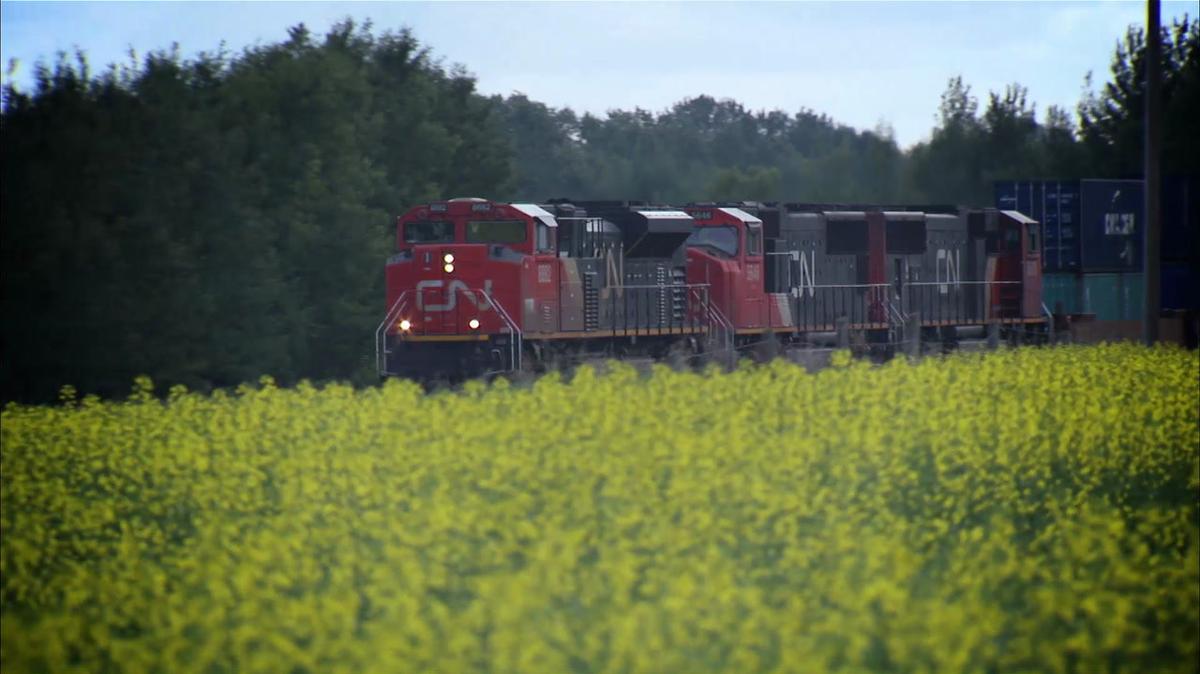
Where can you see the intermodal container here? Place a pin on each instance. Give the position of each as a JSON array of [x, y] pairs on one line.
[[1113, 296], [1060, 288], [1110, 296], [1097, 225], [1055, 204], [1181, 219], [1110, 225], [1179, 291]]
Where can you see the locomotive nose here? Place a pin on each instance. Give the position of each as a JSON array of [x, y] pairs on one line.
[[450, 285]]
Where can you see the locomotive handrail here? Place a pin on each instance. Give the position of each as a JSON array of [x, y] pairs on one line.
[[657, 286], [642, 307], [818, 306], [398, 307], [948, 302], [389, 319], [961, 283], [847, 285], [726, 327], [515, 343], [720, 328]]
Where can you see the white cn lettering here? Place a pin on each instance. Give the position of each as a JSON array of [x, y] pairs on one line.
[[945, 272], [808, 265], [452, 292]]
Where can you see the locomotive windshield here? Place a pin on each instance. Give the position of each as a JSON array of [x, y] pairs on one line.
[[429, 232], [496, 231], [722, 239]]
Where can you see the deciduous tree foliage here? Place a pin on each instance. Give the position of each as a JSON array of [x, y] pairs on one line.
[[701, 148], [1111, 121], [206, 221], [209, 220]]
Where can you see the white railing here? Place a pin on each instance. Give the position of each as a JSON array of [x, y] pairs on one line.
[[401, 308], [515, 335], [385, 327]]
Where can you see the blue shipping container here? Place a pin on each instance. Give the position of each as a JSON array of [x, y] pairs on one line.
[[1055, 204], [1087, 225], [1110, 226], [1181, 219], [1179, 291]]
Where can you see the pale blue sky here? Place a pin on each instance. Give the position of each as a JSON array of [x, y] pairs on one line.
[[859, 62]]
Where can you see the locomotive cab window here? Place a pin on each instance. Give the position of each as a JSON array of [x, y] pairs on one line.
[[1032, 229], [429, 232], [545, 238], [846, 237], [721, 239], [754, 240], [1012, 240], [496, 231]]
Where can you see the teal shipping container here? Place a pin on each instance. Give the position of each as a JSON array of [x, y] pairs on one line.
[[1114, 296], [1064, 289]]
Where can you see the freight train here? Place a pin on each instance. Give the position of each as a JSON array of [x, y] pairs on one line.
[[478, 286]]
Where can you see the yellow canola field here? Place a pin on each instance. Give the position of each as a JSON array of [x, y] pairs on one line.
[[1025, 511]]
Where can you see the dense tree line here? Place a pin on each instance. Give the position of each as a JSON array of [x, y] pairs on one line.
[[205, 221], [208, 221]]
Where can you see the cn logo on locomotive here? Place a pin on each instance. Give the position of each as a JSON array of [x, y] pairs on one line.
[[808, 267], [452, 293], [945, 272]]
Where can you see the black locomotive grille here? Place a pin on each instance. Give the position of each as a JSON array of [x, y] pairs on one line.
[[591, 302]]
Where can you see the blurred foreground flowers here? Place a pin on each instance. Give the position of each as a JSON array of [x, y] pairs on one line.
[[1030, 510]]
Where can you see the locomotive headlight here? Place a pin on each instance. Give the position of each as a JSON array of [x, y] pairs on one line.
[[448, 268], [405, 325], [448, 258], [473, 323]]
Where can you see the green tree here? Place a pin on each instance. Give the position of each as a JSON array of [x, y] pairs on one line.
[[1111, 121], [756, 184], [211, 220], [948, 168]]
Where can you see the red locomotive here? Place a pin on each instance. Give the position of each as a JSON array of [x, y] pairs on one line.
[[477, 286]]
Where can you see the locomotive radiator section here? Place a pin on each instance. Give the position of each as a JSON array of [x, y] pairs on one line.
[[637, 286]]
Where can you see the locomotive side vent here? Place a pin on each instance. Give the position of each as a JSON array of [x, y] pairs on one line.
[[662, 279], [678, 295], [591, 302]]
